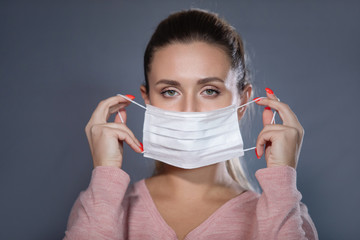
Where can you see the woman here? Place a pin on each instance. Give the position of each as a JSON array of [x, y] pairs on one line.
[[194, 62]]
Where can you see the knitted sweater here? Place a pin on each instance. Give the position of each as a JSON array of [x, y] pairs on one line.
[[106, 210]]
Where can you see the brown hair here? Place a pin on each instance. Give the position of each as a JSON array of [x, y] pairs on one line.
[[198, 25]]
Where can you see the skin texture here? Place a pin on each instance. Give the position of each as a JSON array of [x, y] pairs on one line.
[[282, 142], [106, 139], [192, 77]]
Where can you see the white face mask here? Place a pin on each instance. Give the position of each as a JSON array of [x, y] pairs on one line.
[[192, 139]]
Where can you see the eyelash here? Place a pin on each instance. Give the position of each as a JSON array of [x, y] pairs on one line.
[[166, 91], [215, 91]]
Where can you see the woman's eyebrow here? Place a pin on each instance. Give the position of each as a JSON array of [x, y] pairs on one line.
[[201, 81], [168, 82], [210, 79]]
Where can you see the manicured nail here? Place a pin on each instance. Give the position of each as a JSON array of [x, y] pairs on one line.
[[257, 154], [130, 96], [141, 147], [268, 108], [269, 91], [256, 99]]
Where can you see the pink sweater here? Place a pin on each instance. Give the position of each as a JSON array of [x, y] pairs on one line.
[[107, 211]]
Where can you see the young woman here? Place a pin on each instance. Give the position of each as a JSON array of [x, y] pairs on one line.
[[194, 62]]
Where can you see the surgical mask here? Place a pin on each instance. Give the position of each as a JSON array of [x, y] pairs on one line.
[[192, 139]]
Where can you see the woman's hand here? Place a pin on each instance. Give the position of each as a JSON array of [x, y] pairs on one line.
[[282, 142], [106, 139]]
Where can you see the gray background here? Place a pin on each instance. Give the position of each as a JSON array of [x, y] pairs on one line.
[[58, 59]]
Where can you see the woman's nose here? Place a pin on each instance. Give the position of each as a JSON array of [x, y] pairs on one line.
[[190, 104]]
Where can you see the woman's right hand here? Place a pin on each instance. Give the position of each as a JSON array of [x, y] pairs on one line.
[[105, 138]]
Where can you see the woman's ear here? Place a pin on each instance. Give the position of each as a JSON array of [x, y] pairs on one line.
[[244, 98], [144, 94]]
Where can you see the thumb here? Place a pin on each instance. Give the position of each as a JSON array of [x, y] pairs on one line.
[[267, 116], [122, 112]]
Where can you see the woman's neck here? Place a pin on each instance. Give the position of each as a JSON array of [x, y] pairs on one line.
[[191, 184]]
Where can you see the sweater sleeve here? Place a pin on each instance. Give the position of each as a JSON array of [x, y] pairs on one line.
[[98, 213], [280, 213]]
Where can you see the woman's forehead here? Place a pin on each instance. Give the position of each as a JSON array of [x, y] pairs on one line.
[[195, 60]]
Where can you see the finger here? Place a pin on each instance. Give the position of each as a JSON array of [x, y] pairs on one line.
[[286, 114], [124, 128], [108, 106], [267, 116], [274, 132], [261, 143], [126, 137], [270, 94], [115, 108], [267, 135]]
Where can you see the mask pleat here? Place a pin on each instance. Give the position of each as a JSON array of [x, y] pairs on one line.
[[192, 139]]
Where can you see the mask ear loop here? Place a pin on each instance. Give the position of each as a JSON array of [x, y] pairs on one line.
[[122, 120], [241, 106], [272, 120]]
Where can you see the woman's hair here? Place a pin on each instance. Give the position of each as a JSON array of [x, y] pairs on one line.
[[198, 25]]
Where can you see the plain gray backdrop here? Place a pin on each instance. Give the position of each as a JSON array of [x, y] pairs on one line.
[[58, 59]]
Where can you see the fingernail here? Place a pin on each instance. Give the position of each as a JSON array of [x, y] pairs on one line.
[[256, 99], [269, 91], [141, 147], [268, 108], [130, 96], [257, 154]]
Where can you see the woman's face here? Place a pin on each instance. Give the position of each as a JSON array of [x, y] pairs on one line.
[[193, 77]]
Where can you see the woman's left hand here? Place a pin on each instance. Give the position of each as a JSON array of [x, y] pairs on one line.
[[282, 142]]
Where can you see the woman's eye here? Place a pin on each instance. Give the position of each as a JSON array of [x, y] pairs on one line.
[[169, 93], [210, 92]]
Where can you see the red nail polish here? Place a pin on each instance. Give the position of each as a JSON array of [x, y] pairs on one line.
[[257, 154], [268, 108], [141, 147], [269, 91], [256, 99], [130, 96]]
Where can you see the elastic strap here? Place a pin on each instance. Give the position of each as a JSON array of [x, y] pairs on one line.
[[272, 120], [250, 102], [122, 120], [132, 101]]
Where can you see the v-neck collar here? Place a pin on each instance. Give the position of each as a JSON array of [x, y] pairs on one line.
[[145, 193]]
